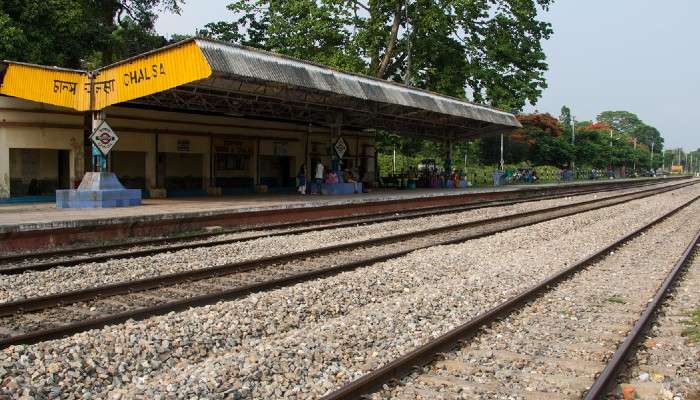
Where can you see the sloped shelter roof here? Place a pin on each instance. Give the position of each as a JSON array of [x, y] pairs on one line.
[[210, 76]]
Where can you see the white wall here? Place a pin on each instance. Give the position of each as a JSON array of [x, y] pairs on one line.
[[4, 166]]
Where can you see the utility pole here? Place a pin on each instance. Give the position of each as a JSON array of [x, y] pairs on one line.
[[634, 155], [611, 151], [573, 142], [663, 160], [651, 157], [466, 152], [690, 166]]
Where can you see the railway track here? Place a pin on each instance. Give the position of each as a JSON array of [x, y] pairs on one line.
[[552, 340], [39, 261], [607, 378], [665, 363], [42, 318]]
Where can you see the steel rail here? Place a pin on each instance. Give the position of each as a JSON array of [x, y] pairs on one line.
[[237, 292], [406, 364], [332, 223], [60, 299], [601, 386]]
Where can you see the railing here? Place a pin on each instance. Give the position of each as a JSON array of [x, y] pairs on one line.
[[486, 178]]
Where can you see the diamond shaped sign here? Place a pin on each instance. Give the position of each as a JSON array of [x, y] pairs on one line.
[[340, 147], [104, 138]]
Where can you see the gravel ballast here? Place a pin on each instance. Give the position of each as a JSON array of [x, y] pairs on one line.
[[666, 365], [554, 347], [63, 279], [304, 340]]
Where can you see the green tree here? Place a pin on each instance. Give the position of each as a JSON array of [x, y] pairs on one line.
[[49, 32], [627, 123], [565, 119], [548, 150], [647, 135], [79, 33], [307, 29], [620, 121], [591, 148], [491, 47], [123, 28]]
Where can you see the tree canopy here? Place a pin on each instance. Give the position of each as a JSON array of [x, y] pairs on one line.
[[539, 141], [43, 31], [627, 123], [79, 33], [486, 50]]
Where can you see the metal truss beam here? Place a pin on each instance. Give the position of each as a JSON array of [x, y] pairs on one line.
[[302, 106]]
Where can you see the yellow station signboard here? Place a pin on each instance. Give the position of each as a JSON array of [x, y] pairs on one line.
[[149, 74], [54, 86], [141, 76]]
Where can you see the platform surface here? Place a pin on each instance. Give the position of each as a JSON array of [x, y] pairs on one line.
[[45, 216]]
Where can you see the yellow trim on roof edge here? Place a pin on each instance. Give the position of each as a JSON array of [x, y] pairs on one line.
[[152, 73], [47, 85], [141, 76]]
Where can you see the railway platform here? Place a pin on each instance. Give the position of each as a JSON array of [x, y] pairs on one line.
[[27, 226]]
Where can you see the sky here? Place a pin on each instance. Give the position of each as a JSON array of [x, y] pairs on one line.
[[641, 56]]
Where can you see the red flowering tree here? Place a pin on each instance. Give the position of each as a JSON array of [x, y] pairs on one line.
[[597, 126], [542, 123], [539, 141]]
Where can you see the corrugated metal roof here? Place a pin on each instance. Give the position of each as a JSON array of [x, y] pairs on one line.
[[253, 82], [228, 59]]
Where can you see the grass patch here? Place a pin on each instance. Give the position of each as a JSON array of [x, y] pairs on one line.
[[616, 300], [693, 330]]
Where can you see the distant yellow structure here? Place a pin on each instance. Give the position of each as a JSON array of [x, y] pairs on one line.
[[678, 169]]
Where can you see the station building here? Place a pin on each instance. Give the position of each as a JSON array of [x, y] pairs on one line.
[[43, 149], [205, 117]]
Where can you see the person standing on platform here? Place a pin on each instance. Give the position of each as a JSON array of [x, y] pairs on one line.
[[301, 176], [319, 176]]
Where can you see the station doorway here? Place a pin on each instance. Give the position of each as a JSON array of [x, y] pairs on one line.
[[130, 168], [38, 172], [232, 166], [181, 174], [276, 173]]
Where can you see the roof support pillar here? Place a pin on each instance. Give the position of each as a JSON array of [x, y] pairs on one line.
[[501, 165], [99, 161], [448, 156], [307, 156], [336, 128], [87, 148]]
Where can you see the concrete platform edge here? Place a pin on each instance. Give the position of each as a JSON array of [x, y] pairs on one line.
[[102, 222]]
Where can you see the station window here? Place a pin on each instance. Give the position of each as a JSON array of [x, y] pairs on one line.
[[130, 167], [232, 162]]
